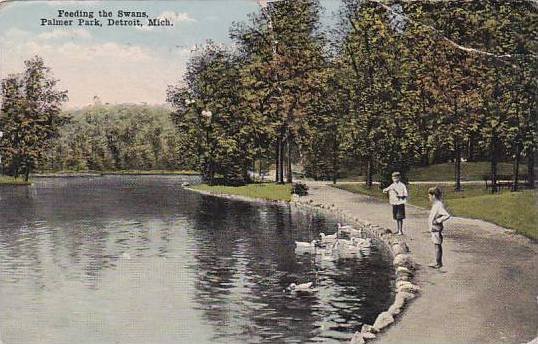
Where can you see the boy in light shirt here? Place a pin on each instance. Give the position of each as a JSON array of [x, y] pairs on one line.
[[397, 198], [438, 215]]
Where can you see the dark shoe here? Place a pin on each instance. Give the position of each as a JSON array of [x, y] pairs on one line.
[[435, 266]]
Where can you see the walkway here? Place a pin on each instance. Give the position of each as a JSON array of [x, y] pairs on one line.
[[486, 293]]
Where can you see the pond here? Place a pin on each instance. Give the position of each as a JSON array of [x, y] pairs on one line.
[[138, 259]]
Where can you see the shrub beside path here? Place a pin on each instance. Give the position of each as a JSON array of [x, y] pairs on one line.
[[486, 293]]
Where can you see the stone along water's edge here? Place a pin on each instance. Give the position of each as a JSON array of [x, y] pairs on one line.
[[402, 259]]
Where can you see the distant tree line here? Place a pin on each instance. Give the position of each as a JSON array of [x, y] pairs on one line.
[[392, 86], [117, 137]]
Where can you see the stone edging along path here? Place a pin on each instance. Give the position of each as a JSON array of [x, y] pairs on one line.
[[402, 260]]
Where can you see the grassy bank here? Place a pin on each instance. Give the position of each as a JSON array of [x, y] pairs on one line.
[[515, 210], [266, 191], [4, 180], [470, 171]]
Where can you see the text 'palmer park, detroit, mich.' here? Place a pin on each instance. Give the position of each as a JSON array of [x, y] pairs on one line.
[[104, 18]]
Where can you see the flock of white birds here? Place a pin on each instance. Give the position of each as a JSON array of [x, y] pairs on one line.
[[346, 243]]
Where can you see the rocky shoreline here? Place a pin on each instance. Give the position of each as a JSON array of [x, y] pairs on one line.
[[404, 266]]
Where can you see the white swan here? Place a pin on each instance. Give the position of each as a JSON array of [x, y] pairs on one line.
[[305, 247], [329, 236], [359, 243], [340, 226], [303, 287], [325, 255], [348, 248], [349, 230], [302, 244], [362, 243], [328, 239]]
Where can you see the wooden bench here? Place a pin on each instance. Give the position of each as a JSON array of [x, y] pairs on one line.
[[505, 181]]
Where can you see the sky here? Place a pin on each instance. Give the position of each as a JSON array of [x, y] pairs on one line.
[[117, 64]]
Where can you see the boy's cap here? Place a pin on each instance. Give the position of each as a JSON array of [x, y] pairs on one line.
[[396, 174]]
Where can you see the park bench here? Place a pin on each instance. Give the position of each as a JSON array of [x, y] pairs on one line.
[[505, 181]]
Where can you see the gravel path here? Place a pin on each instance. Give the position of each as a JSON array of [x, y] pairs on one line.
[[486, 293]]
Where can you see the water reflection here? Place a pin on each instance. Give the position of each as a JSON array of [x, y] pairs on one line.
[[139, 260]]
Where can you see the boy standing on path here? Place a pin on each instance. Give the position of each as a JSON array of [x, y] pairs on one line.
[[438, 215], [397, 198]]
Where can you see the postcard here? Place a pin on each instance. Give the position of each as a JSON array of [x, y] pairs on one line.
[[268, 171]]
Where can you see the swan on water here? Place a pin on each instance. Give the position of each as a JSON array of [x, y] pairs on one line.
[[305, 247], [362, 243], [340, 226], [348, 230], [347, 247], [327, 239], [302, 244], [303, 287]]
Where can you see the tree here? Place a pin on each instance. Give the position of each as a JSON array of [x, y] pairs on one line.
[[382, 128], [209, 107], [30, 116], [322, 143], [284, 50]]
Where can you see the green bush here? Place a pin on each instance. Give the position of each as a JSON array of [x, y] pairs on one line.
[[300, 189]]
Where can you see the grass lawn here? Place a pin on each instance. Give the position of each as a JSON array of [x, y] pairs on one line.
[[4, 180], [266, 191], [471, 171], [515, 210]]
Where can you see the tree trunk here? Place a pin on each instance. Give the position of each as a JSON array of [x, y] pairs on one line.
[[289, 175], [515, 173], [27, 173], [457, 167], [471, 148], [369, 179], [425, 158], [16, 167], [335, 160], [530, 168], [494, 163], [210, 173], [245, 174], [425, 154], [457, 161], [277, 161], [280, 161]]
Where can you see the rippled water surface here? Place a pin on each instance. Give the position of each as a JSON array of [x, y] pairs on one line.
[[139, 260]]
